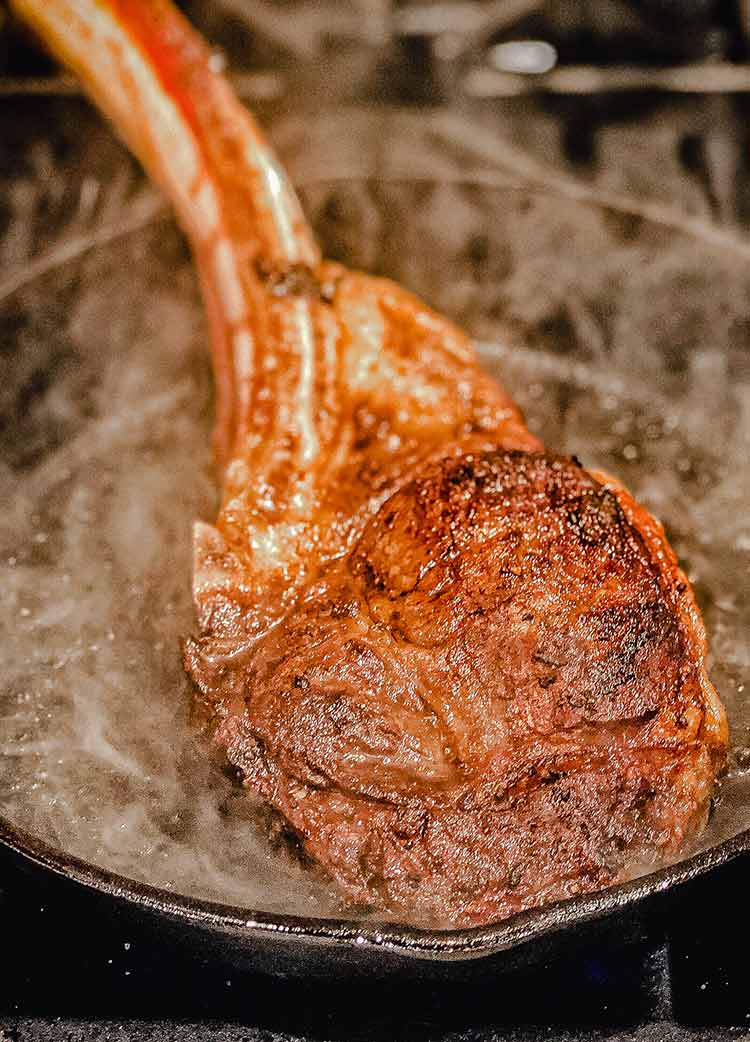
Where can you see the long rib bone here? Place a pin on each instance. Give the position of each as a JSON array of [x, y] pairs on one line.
[[469, 674], [320, 374], [153, 76]]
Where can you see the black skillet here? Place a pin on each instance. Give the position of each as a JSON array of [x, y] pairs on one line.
[[637, 393]]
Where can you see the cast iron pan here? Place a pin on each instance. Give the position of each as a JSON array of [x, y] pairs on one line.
[[623, 343], [291, 945]]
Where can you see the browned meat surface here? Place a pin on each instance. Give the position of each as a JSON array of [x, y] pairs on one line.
[[493, 700], [468, 673]]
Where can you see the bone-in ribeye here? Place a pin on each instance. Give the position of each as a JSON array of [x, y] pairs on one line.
[[468, 673]]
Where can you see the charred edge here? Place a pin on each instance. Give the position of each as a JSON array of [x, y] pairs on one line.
[[294, 280]]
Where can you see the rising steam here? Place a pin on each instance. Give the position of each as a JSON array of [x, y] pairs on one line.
[[107, 462]]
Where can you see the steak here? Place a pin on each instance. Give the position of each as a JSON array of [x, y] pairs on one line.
[[467, 672]]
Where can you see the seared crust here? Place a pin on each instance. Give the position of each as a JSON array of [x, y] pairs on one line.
[[493, 701]]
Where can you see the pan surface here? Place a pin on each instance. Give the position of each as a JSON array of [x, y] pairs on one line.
[[625, 342]]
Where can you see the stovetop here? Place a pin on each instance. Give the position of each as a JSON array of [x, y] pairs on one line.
[[71, 973]]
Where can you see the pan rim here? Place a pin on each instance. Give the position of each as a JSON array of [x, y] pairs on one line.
[[393, 939]]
